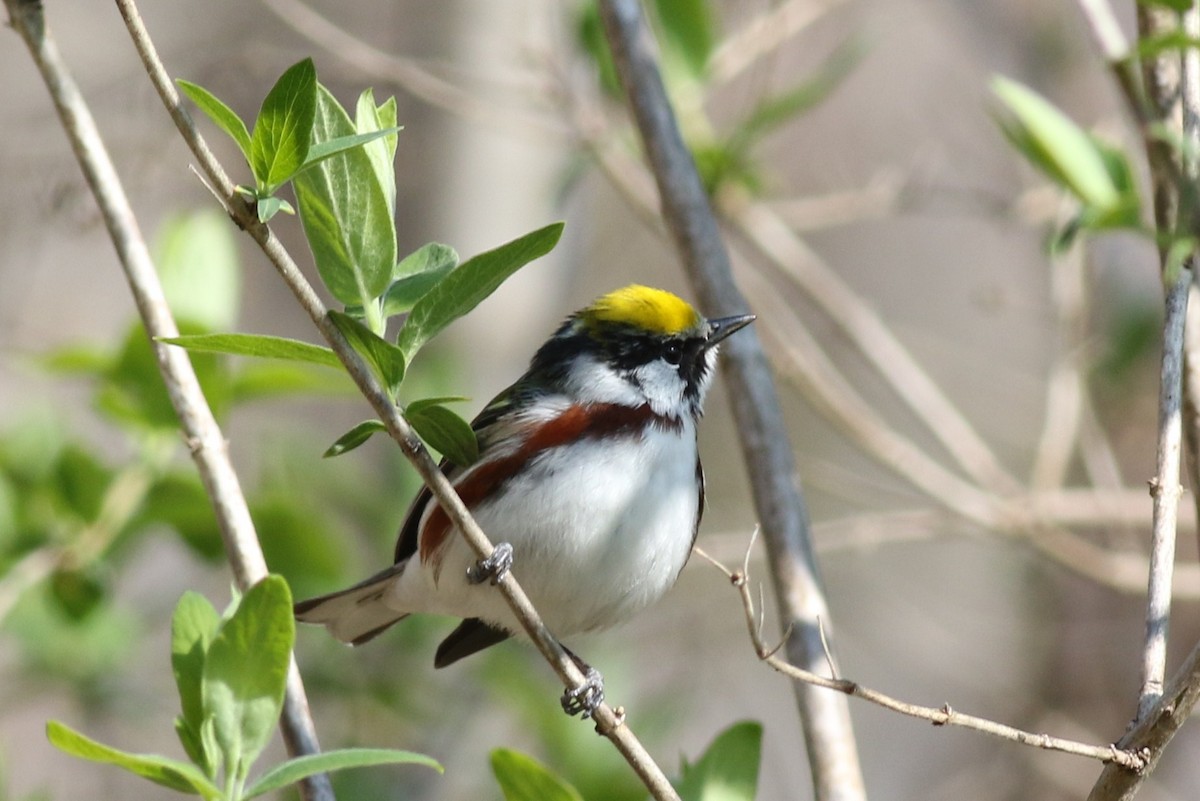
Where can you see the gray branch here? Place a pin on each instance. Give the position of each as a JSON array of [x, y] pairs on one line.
[[825, 716], [205, 440]]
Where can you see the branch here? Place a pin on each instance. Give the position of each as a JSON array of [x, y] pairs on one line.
[[205, 440], [944, 715], [610, 723], [1165, 490], [829, 736]]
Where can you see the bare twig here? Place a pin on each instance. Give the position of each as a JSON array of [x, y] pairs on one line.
[[1165, 490], [205, 440], [608, 722], [1066, 388], [406, 73], [938, 716], [832, 751], [764, 34], [790, 255]]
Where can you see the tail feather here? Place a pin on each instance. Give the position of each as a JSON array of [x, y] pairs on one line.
[[356, 614]]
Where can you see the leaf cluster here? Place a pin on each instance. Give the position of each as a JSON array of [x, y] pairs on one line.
[[726, 771], [231, 672], [341, 171]]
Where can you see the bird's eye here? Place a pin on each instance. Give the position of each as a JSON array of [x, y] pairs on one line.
[[673, 352]]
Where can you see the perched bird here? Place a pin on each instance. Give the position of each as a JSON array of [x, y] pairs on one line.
[[588, 480]]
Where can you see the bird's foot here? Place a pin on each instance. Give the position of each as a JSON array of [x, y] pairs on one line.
[[586, 697], [494, 567]]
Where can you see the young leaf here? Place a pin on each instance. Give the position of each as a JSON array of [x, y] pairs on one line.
[[416, 274], [293, 770], [345, 214], [444, 431], [384, 358], [193, 627], [688, 25], [475, 279], [728, 770], [368, 119], [262, 346], [267, 206], [523, 778], [353, 438], [218, 112], [161, 770], [327, 150], [1055, 145], [245, 672], [283, 131], [197, 260]]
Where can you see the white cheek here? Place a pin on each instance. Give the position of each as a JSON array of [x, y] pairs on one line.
[[662, 386], [591, 381]]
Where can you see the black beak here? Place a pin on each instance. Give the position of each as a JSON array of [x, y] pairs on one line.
[[722, 327]]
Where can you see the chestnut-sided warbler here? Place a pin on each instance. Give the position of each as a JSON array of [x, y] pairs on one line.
[[588, 478]]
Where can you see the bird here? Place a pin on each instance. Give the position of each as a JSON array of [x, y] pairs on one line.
[[588, 479]]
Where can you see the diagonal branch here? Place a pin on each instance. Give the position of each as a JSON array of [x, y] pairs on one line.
[[1126, 758], [205, 440], [609, 722], [832, 750]]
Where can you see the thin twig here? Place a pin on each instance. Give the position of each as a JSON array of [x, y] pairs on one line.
[[608, 722], [207, 443], [771, 237], [763, 35], [1165, 490], [832, 750], [938, 716]]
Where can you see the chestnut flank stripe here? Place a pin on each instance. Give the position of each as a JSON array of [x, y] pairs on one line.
[[577, 422]]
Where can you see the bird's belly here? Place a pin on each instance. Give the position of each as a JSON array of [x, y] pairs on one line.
[[599, 531]]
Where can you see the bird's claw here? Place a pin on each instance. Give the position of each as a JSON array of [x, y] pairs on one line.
[[494, 567], [586, 697]]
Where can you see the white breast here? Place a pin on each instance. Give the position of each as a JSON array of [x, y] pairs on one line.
[[599, 529]]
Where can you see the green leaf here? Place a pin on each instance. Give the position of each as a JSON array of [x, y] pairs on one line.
[[777, 109], [464, 288], [416, 274], [327, 150], [432, 257], [245, 672], [193, 627], [523, 778], [1055, 145], [345, 214], [688, 25], [444, 431], [293, 770], [260, 345], [283, 131], [385, 359], [728, 770], [1177, 39], [590, 32], [370, 119], [294, 526], [218, 112], [197, 260], [1174, 5], [161, 770], [133, 391], [268, 206], [354, 437], [275, 379]]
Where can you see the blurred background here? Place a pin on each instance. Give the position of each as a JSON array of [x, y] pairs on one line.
[[885, 233]]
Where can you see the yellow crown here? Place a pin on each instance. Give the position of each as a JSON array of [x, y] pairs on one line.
[[652, 310]]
